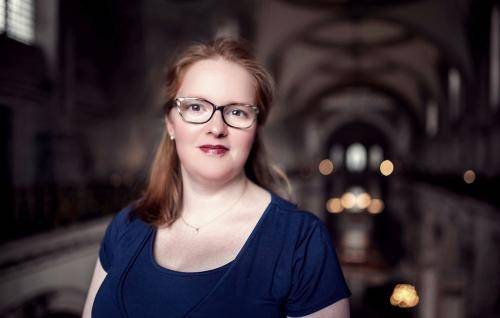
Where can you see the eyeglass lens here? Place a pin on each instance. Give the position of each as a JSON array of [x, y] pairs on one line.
[[200, 111]]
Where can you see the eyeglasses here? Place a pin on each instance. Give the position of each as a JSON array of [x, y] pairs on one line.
[[196, 110]]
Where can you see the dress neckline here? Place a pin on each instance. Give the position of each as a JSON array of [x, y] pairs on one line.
[[150, 247], [226, 266]]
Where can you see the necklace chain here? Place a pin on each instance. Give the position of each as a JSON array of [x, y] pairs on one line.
[[197, 228]]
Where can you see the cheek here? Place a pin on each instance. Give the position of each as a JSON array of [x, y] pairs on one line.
[[183, 141], [180, 129], [245, 143]]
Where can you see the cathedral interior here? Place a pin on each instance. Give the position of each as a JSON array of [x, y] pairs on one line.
[[386, 121]]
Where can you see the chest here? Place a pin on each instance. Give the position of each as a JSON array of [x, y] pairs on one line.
[[180, 248]]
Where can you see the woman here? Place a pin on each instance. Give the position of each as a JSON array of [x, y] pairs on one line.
[[209, 238]]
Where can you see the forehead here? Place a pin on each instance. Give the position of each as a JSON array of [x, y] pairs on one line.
[[219, 81]]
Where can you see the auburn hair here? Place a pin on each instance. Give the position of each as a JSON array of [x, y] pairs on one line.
[[161, 201]]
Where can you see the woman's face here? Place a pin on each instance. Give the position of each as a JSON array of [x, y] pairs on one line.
[[220, 82]]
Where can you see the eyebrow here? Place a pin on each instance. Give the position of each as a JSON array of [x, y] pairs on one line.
[[230, 103]]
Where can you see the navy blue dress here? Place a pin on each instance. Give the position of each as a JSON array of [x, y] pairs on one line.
[[287, 267]]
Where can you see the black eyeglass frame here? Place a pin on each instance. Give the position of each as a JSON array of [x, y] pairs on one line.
[[215, 108]]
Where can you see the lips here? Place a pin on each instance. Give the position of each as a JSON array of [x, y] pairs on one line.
[[214, 149]]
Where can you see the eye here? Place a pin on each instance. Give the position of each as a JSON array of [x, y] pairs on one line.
[[238, 112], [194, 107]]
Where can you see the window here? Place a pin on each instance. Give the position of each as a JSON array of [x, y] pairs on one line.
[[337, 155], [356, 157], [376, 156], [16, 19], [432, 118], [454, 91], [2, 16]]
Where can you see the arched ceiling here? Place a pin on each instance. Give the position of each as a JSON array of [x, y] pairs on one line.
[[363, 34], [340, 51], [335, 48]]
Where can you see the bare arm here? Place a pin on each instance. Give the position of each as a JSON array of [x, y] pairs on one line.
[[339, 309], [97, 279]]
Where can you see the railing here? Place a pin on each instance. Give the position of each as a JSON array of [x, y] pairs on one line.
[[44, 207]]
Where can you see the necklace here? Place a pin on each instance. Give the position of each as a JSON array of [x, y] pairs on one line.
[[197, 228]]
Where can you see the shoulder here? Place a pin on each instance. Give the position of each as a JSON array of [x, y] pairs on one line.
[[124, 217], [291, 221], [123, 221], [286, 209], [120, 235]]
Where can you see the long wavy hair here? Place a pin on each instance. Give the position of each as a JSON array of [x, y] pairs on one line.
[[161, 201]]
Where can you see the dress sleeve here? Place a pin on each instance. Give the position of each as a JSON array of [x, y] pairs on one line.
[[317, 279], [109, 243]]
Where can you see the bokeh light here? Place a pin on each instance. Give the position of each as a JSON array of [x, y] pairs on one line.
[[376, 206], [363, 200], [348, 200], [334, 205], [469, 176], [386, 167], [404, 296], [326, 167]]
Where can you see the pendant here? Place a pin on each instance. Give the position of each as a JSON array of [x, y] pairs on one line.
[[197, 230]]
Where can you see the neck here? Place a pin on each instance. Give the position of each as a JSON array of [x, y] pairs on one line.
[[202, 201]]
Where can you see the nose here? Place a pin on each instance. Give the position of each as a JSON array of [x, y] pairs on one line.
[[216, 125]]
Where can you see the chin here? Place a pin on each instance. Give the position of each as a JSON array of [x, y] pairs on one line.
[[218, 175], [214, 171]]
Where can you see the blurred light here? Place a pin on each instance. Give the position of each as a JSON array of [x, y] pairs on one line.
[[363, 200], [348, 200], [432, 118], [337, 155], [469, 176], [404, 296], [227, 27], [19, 24], [376, 206], [356, 157], [334, 205], [386, 167], [326, 167], [376, 156], [454, 88], [2, 16], [355, 242]]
